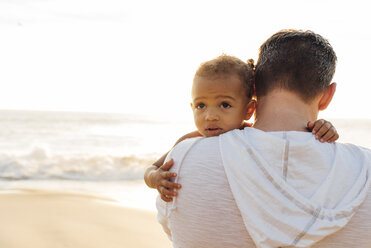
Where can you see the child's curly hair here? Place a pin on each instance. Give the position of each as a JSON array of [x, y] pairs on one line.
[[229, 65]]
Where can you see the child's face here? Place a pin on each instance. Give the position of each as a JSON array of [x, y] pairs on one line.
[[219, 104]]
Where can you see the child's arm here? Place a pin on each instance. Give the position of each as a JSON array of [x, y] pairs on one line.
[[158, 176], [323, 130]]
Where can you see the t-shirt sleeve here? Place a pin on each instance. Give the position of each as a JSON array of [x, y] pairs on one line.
[[164, 208], [162, 217]]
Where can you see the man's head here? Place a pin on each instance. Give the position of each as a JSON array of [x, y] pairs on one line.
[[221, 95], [298, 61]]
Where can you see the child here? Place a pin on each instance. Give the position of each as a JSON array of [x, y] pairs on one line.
[[222, 99]]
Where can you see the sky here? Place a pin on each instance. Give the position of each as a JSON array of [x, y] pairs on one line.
[[140, 56]]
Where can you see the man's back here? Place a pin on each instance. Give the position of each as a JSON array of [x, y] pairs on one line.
[[356, 233], [207, 215]]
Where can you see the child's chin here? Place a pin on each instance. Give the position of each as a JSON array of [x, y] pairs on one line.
[[212, 133]]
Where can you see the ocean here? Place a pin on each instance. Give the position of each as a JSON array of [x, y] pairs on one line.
[[103, 154]]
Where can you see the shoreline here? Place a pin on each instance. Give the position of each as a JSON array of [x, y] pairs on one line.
[[131, 194], [43, 218]]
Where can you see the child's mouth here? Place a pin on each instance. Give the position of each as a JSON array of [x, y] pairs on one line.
[[213, 131]]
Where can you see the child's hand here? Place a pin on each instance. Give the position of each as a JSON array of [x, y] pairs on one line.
[[323, 130], [160, 181]]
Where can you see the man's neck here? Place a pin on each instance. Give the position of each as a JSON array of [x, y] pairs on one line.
[[282, 110]]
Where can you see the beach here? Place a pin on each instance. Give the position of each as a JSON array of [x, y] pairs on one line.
[[76, 180], [42, 218], [70, 179]]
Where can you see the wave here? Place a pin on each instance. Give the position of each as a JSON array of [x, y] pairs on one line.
[[39, 164]]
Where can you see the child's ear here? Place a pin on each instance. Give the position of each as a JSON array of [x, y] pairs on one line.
[[191, 104], [250, 109]]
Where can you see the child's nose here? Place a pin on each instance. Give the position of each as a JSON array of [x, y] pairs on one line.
[[211, 115]]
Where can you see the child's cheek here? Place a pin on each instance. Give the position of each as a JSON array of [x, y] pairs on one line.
[[199, 123]]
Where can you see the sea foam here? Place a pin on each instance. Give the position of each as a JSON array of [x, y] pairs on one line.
[[40, 163]]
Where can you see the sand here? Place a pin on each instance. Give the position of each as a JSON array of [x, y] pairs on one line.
[[38, 219]]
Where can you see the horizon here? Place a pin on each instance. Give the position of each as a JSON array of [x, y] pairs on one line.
[[148, 117], [123, 57]]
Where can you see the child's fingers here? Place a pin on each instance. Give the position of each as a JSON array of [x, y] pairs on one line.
[[310, 125], [164, 191], [168, 174], [170, 185], [323, 130], [334, 138], [167, 165], [164, 198], [328, 135], [317, 126]]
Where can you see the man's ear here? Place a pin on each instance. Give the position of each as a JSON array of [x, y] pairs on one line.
[[250, 109], [327, 97]]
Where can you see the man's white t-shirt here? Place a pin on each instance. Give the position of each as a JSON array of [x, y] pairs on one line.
[[212, 211]]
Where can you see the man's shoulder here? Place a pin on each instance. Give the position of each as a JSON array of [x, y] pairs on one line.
[[351, 158], [199, 146], [198, 142], [354, 150]]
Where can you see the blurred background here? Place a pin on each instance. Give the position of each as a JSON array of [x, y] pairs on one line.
[[94, 91]]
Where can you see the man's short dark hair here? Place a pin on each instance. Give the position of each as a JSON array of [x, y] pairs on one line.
[[299, 61]]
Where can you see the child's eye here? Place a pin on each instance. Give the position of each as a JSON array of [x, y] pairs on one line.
[[225, 105], [200, 106]]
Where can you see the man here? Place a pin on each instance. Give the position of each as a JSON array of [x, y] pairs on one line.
[[274, 185]]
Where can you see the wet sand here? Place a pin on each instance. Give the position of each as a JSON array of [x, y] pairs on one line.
[[34, 218]]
